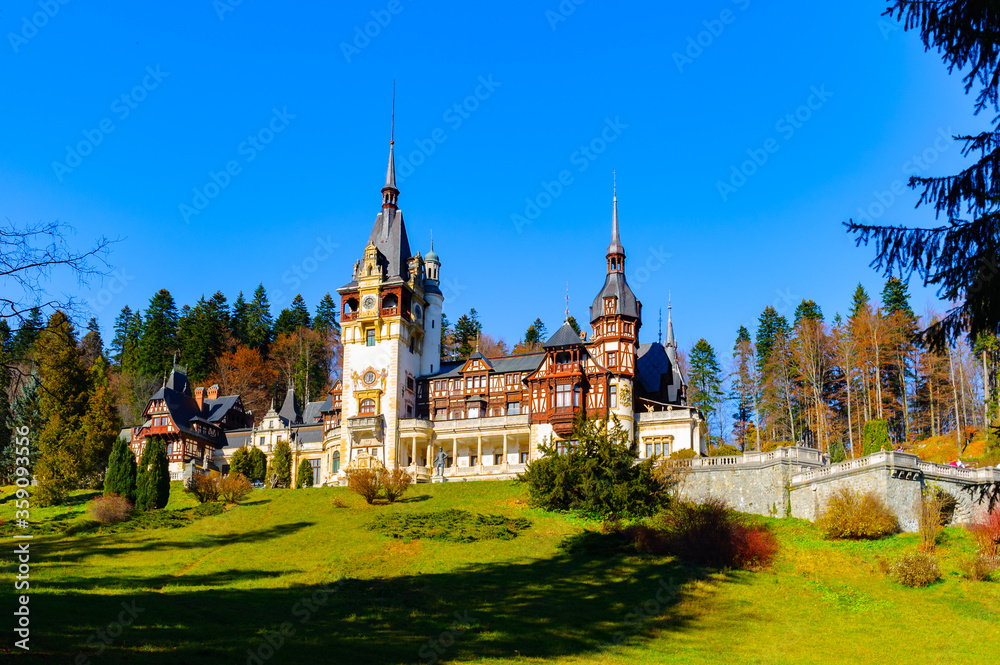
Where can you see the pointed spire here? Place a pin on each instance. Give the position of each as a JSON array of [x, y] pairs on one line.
[[567, 301], [616, 253], [659, 331], [671, 340], [390, 192]]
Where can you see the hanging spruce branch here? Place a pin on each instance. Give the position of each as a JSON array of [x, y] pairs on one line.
[[961, 258]]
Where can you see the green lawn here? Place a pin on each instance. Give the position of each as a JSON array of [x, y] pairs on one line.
[[212, 589]]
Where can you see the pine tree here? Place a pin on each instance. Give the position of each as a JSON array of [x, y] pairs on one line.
[[535, 334], [62, 404], [153, 480], [467, 331], [304, 476], [292, 318], [447, 339], [239, 319], [326, 314], [875, 437], [259, 333], [91, 346], [744, 390], [858, 302], [258, 465], [26, 334], [705, 380], [574, 325], [159, 335], [202, 334], [770, 325], [961, 257], [281, 465], [807, 309], [24, 412], [121, 476], [102, 422]]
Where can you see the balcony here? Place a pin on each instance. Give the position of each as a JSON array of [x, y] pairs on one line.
[[473, 425], [367, 426]]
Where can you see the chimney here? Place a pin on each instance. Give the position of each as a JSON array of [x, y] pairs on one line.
[[199, 396], [213, 391]]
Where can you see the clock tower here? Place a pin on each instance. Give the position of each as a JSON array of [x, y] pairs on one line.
[[391, 335]]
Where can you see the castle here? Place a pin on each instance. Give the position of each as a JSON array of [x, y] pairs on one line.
[[400, 405]]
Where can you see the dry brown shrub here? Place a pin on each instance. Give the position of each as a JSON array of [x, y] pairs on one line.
[[204, 487], [395, 484], [234, 488], [929, 508], [916, 569], [110, 509], [857, 515], [365, 482]]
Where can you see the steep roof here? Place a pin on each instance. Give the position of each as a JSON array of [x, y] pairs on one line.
[[289, 409], [565, 336], [314, 410], [389, 237], [528, 362], [218, 408]]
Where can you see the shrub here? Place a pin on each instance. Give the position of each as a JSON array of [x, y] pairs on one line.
[[684, 453], [916, 569], [837, 452], [122, 469], [110, 509], [233, 488], [724, 451], [49, 492], [304, 476], [207, 509], [338, 502], [365, 482], [929, 508], [153, 481], [987, 534], [240, 462], [204, 487], [875, 437], [979, 567], [709, 534], [395, 483], [258, 465], [280, 471], [850, 514], [460, 526], [601, 476]]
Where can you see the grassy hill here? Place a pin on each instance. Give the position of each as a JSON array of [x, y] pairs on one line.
[[209, 590]]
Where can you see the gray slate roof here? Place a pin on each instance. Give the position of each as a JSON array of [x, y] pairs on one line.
[[389, 236], [521, 363], [615, 285], [289, 409], [314, 410], [565, 336], [218, 407]]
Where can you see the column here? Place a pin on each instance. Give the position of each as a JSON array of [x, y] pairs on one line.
[[479, 452], [454, 456], [506, 462], [429, 460], [413, 453]]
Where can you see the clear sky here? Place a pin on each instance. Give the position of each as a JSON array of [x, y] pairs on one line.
[[496, 101]]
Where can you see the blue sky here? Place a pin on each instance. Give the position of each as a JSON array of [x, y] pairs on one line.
[[294, 99]]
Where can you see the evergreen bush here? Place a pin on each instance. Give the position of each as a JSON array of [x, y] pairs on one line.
[[280, 472], [258, 466], [875, 437], [153, 481], [304, 476], [601, 475], [122, 468]]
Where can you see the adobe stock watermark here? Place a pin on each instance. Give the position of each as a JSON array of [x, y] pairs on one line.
[[455, 116], [714, 28], [31, 25], [113, 286], [915, 165], [581, 158], [102, 639], [22, 550], [665, 596], [122, 108], [223, 7], [363, 35], [786, 126], [248, 149], [655, 260], [434, 648], [299, 272], [303, 610], [562, 12]]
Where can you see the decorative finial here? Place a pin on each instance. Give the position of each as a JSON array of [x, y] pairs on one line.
[[659, 333], [567, 301], [392, 130]]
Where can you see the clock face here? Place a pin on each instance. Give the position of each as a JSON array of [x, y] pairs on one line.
[[368, 302], [369, 378], [417, 312]]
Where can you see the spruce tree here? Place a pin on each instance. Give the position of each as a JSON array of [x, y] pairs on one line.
[[159, 335], [326, 314], [121, 476], [26, 334], [281, 465], [91, 346], [153, 481], [467, 331], [102, 422], [875, 437], [292, 318], [771, 325], [259, 333], [705, 379], [574, 325], [239, 319], [858, 302], [304, 476], [896, 298], [809, 310], [62, 404], [961, 257]]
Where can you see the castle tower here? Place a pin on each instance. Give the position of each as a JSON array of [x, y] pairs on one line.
[[616, 316], [391, 335]]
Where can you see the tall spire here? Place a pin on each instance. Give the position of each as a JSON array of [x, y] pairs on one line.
[[671, 341], [616, 253], [659, 332], [390, 192], [567, 301]]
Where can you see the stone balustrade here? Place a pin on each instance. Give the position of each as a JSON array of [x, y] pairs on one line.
[[791, 455], [901, 465]]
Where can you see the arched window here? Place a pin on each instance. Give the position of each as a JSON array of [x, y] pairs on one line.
[[336, 461], [367, 407], [350, 305], [390, 301]]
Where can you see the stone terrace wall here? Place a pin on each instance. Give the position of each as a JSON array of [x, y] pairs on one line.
[[802, 478], [751, 483]]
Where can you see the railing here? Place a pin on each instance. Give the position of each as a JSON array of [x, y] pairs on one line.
[[349, 316], [899, 461], [790, 454], [473, 424]]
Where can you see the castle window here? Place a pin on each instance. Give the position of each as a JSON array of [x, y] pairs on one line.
[[367, 407], [370, 337], [576, 395], [409, 383], [612, 359], [524, 458], [314, 463], [336, 461], [513, 408], [350, 305], [613, 397], [473, 411], [390, 301], [563, 393]]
